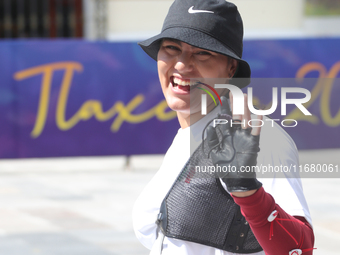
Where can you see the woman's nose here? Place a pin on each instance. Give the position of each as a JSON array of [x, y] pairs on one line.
[[184, 63]]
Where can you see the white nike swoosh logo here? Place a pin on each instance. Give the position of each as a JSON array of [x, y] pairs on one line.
[[191, 10]]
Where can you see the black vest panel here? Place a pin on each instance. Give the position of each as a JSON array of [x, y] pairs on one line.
[[198, 209]]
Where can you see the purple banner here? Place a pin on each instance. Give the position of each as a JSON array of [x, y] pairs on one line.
[[318, 60], [78, 98]]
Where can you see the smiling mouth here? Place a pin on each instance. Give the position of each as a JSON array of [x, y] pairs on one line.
[[185, 85]]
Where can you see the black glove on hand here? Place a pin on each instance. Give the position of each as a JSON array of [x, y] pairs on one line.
[[237, 148]]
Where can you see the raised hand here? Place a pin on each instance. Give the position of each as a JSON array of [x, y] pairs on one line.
[[235, 150]]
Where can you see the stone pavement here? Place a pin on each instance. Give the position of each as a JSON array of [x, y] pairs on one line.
[[82, 206]]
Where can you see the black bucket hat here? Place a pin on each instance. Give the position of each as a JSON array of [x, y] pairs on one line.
[[214, 25]]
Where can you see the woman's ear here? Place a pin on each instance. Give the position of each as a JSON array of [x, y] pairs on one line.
[[232, 67]]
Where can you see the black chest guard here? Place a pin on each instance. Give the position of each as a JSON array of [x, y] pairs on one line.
[[198, 209]]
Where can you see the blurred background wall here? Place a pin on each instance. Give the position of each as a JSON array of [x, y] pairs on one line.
[[130, 19], [262, 18]]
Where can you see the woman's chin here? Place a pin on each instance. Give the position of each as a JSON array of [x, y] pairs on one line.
[[178, 107], [183, 107]]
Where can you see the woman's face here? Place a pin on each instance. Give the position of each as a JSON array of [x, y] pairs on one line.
[[178, 62]]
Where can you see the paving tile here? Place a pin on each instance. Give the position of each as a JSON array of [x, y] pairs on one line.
[[48, 210], [48, 244]]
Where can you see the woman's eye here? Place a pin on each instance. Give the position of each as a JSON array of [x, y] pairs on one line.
[[171, 47], [203, 53]]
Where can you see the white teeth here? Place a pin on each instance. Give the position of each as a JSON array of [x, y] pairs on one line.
[[181, 82]]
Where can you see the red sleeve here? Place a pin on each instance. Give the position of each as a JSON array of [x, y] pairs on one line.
[[284, 233]]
